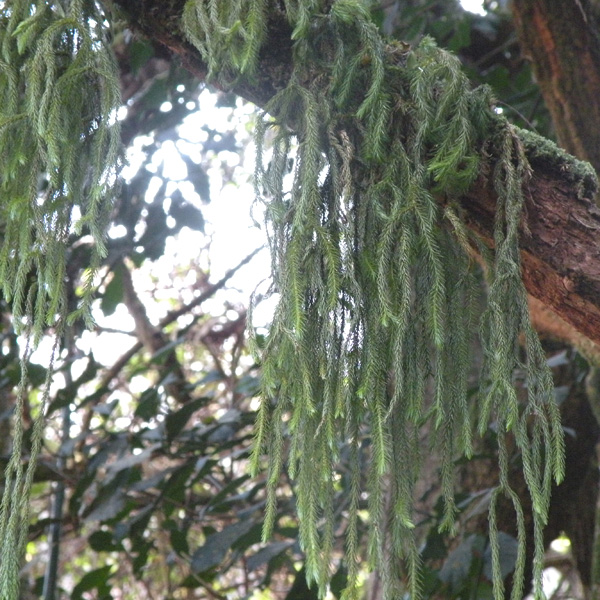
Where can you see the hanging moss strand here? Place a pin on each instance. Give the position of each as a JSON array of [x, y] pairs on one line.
[[60, 147], [59, 157], [370, 343]]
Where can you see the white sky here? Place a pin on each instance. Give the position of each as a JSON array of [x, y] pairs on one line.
[[233, 235], [474, 6]]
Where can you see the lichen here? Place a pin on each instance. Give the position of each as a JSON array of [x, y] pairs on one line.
[[542, 152]]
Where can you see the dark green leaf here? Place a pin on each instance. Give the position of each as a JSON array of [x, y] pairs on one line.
[[157, 231], [253, 537], [96, 579], [103, 541], [113, 294], [148, 404], [224, 495], [187, 215], [107, 507], [174, 488], [462, 36], [111, 498], [130, 460], [216, 546], [179, 542], [140, 52], [430, 581], [435, 548], [36, 374], [156, 94], [211, 376], [338, 582], [266, 554], [139, 562], [138, 524], [248, 385], [154, 481], [177, 420], [300, 589], [455, 570]]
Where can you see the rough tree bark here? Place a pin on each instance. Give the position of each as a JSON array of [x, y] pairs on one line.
[[562, 40]]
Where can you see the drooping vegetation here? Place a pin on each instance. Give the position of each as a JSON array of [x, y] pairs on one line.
[[369, 364], [59, 149], [60, 146], [377, 282]]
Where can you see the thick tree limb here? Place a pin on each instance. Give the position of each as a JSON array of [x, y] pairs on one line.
[[560, 232], [560, 244], [562, 41]]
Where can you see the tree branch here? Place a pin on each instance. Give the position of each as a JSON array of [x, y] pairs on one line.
[[560, 244], [559, 235], [173, 316]]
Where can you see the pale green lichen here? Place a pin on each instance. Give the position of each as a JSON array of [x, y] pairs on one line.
[[545, 153]]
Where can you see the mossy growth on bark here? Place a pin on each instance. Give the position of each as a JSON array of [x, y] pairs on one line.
[[376, 284], [546, 154]]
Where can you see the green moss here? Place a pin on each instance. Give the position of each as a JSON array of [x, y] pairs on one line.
[[545, 154], [59, 91], [376, 289]]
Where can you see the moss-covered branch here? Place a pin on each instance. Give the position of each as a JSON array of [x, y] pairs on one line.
[[560, 242], [372, 265], [561, 260]]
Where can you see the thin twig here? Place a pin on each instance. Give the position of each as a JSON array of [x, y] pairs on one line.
[[174, 315], [169, 318]]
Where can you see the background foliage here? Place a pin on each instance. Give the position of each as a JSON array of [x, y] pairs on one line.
[[144, 473]]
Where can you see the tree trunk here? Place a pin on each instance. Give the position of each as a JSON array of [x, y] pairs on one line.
[[561, 40]]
